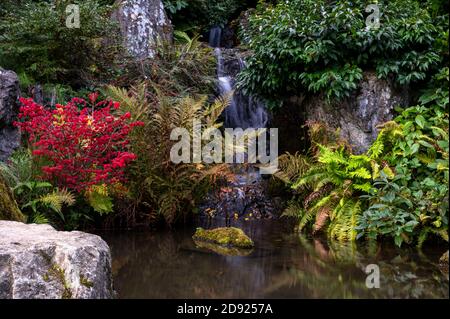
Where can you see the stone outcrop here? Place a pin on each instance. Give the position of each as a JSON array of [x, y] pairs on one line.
[[36, 261], [357, 117], [143, 24], [9, 108]]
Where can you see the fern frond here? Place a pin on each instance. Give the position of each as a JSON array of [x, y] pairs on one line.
[[328, 156], [342, 226], [321, 218], [294, 209], [213, 112], [291, 167], [378, 146], [311, 177], [57, 199], [39, 218], [361, 172]]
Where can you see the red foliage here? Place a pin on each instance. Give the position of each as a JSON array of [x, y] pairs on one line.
[[83, 145]]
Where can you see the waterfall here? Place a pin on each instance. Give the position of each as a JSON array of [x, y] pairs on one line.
[[245, 111], [247, 196], [215, 37]]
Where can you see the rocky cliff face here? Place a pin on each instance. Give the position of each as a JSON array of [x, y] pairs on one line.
[[36, 261], [9, 108], [143, 23], [357, 117]]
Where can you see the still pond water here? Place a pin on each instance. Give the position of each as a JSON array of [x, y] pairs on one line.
[[168, 264]]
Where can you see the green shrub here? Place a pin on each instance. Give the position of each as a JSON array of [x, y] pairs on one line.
[[398, 189], [37, 199], [415, 203], [329, 184], [312, 46], [35, 41]]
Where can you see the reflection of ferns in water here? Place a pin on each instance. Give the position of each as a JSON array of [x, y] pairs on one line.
[[401, 275]]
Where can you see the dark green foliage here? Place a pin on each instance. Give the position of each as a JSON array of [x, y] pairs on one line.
[[398, 189], [35, 42], [185, 67], [327, 190], [415, 203], [309, 45], [37, 199], [173, 6], [200, 15]]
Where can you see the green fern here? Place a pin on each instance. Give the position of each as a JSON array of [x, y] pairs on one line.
[[57, 199], [161, 188], [343, 225], [39, 218], [332, 183], [291, 167]]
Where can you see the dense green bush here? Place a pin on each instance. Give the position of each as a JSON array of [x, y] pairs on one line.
[[35, 42], [415, 203], [318, 46], [398, 189]]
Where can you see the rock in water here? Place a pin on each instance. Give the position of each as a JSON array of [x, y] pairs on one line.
[[36, 261], [9, 109], [222, 250], [357, 117], [225, 236], [143, 24]]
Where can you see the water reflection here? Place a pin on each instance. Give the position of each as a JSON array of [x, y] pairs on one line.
[[282, 265]]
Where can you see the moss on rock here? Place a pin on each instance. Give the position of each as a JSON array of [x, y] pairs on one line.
[[443, 261], [8, 206], [223, 250], [225, 236]]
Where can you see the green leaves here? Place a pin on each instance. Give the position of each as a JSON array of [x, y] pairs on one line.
[[35, 40], [420, 120], [99, 199], [173, 6], [398, 189], [318, 46], [414, 203]]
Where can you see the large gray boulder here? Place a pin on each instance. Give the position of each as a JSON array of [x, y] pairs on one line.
[[143, 24], [9, 109], [357, 117], [36, 261]]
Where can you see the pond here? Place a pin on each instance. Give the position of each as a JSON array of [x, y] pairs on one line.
[[168, 264]]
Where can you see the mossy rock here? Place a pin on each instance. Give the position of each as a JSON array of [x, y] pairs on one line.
[[224, 236], [8, 206], [223, 250], [443, 261]]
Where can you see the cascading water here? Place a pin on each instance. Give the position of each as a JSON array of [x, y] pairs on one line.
[[246, 197], [244, 111], [215, 37]]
